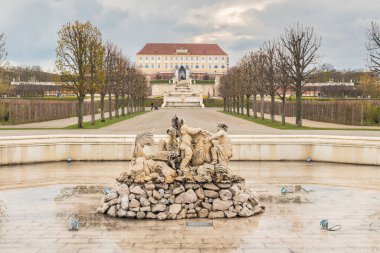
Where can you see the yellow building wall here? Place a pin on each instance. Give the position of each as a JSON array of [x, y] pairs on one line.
[[152, 64]]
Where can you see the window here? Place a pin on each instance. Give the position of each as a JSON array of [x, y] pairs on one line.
[[216, 66], [187, 58], [158, 58], [171, 58], [146, 66], [209, 58], [222, 66], [187, 66], [176, 58], [181, 58], [166, 65], [191, 65], [141, 66], [166, 58], [216, 58], [141, 58], [176, 66], [196, 58], [158, 66], [196, 66], [209, 66], [152, 58], [146, 58], [191, 58], [203, 66], [203, 58], [152, 66], [222, 58], [171, 65]]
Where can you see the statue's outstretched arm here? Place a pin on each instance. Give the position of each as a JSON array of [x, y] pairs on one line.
[[217, 135], [193, 131]]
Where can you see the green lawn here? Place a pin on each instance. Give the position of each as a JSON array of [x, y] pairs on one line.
[[268, 122], [99, 124], [288, 126], [159, 81], [53, 98], [204, 81]]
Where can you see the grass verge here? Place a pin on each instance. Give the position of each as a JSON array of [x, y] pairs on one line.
[[107, 122], [288, 126], [268, 122]]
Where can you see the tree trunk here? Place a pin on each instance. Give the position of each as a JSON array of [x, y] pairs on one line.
[[234, 104], [242, 104], [262, 106], [272, 106], [123, 105], [102, 96], [283, 110], [254, 105], [238, 105], [117, 105], [224, 103], [110, 105], [128, 109], [92, 108], [247, 104], [80, 112], [133, 105], [298, 107]]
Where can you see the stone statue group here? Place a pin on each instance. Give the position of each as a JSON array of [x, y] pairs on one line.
[[192, 154], [188, 177]]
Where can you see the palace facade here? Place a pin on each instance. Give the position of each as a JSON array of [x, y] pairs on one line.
[[163, 60]]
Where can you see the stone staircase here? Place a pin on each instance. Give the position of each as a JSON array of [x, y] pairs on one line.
[[183, 96]]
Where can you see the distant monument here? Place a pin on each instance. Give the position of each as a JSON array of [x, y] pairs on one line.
[[182, 96], [189, 177]]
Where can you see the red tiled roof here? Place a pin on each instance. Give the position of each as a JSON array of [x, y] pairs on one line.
[[170, 49]]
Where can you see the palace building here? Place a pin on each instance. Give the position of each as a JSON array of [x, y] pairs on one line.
[[166, 60]]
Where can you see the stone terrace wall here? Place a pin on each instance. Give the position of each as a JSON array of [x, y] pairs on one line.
[[202, 89], [50, 148]]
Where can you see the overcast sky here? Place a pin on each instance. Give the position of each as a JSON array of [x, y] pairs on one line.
[[239, 26]]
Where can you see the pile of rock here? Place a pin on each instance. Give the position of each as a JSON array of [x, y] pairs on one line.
[[180, 200]]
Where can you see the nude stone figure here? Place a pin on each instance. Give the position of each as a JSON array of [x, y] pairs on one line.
[[185, 133], [170, 143], [221, 152]]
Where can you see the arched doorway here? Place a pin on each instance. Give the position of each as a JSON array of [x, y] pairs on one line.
[[181, 73]]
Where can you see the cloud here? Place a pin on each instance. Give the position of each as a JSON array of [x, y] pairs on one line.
[[236, 25]]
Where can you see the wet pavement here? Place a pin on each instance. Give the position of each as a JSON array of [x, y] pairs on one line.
[[38, 210]]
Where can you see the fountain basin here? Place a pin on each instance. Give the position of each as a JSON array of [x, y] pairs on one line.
[[50, 148]]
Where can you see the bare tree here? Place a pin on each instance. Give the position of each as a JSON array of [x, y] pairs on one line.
[[3, 52], [96, 57], [373, 47], [269, 54], [245, 67], [260, 78], [73, 59], [301, 46], [282, 80], [3, 55], [111, 56]]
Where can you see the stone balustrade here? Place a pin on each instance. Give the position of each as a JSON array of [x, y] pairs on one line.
[[50, 148]]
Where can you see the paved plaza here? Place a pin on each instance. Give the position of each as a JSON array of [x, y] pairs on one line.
[[38, 200], [159, 121], [37, 217]]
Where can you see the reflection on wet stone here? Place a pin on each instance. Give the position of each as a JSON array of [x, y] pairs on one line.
[[37, 219]]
